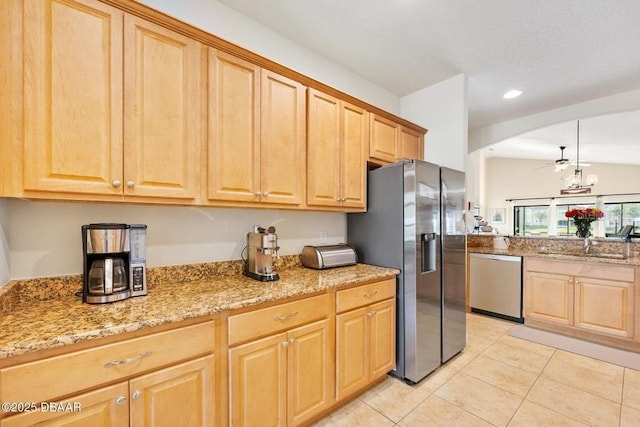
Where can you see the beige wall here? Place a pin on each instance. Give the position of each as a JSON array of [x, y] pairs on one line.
[[45, 238], [5, 273], [518, 178]]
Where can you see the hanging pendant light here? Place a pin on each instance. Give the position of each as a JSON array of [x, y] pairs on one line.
[[574, 182]]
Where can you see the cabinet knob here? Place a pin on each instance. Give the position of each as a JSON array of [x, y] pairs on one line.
[[285, 343], [136, 394], [131, 184], [120, 400], [258, 193], [116, 183], [371, 313], [266, 194], [292, 340]]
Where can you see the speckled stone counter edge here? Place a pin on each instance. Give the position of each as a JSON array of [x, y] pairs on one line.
[[554, 247], [45, 288]]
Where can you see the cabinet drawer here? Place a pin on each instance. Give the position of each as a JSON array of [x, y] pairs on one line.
[[364, 295], [266, 321], [69, 373], [587, 268]]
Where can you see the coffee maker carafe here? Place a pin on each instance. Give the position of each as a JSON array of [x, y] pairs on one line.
[[262, 246], [114, 262]]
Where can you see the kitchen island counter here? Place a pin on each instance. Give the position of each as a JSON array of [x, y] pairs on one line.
[[33, 325]]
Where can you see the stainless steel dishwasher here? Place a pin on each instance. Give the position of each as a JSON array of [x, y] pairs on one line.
[[495, 285]]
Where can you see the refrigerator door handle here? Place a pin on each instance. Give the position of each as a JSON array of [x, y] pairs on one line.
[[428, 242]]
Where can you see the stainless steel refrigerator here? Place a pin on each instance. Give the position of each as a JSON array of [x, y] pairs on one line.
[[415, 223]]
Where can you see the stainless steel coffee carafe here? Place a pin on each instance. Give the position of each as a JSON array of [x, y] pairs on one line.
[[114, 262]]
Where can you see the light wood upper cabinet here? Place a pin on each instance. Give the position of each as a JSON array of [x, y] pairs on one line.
[[163, 114], [391, 141], [411, 144], [73, 117], [234, 128], [337, 140], [282, 139], [384, 139], [95, 77], [256, 146], [355, 145]]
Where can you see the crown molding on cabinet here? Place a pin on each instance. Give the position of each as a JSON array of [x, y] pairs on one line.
[[206, 38]]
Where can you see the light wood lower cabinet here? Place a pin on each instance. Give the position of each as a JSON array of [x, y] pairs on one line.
[[589, 300], [285, 378], [365, 339], [549, 297], [106, 407], [143, 396]]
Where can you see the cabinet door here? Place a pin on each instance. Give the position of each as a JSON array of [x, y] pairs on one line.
[[382, 337], [323, 150], [181, 395], [310, 373], [604, 306], [549, 297], [72, 97], [282, 143], [352, 352], [234, 128], [411, 144], [384, 139], [108, 407], [257, 378], [355, 148], [163, 115]]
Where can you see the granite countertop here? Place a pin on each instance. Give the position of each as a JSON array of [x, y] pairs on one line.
[[560, 256], [36, 325]]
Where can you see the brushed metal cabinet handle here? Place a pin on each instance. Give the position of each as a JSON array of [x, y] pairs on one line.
[[286, 316], [371, 294], [136, 394], [131, 184], [120, 400], [116, 183], [127, 361]]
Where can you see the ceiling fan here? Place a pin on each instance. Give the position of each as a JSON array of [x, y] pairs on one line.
[[562, 163]]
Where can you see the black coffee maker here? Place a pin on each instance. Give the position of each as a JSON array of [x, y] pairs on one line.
[[114, 262]]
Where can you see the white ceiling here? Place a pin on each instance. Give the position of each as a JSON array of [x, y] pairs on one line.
[[558, 52], [612, 138]]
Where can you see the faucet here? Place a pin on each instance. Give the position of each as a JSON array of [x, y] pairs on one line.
[[588, 244]]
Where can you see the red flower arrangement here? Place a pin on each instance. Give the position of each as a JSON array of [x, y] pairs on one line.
[[583, 218]]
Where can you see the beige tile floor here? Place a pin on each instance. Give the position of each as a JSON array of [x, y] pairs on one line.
[[499, 380]]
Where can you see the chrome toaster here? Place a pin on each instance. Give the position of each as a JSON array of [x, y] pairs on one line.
[[329, 256]]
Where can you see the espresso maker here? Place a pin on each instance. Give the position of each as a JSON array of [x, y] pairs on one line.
[[262, 246], [114, 262]]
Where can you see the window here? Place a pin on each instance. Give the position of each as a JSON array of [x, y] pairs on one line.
[[531, 220], [617, 215], [565, 226]]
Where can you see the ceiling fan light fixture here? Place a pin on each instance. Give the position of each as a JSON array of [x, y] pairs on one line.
[[561, 166], [574, 182], [513, 93]]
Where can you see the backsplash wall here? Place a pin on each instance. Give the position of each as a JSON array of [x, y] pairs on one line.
[[45, 238], [4, 242]]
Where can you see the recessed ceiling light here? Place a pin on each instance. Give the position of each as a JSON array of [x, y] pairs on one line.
[[512, 94]]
